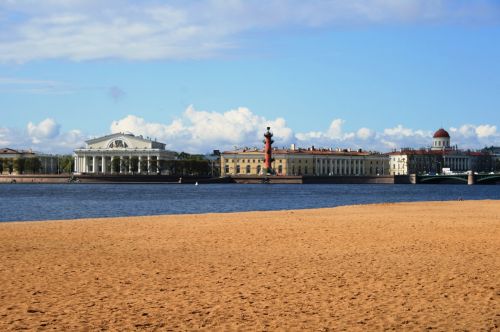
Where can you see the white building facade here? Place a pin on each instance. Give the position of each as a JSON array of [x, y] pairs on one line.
[[122, 153]]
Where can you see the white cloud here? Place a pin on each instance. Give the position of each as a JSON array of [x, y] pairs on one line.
[[45, 136], [47, 128], [474, 136], [365, 133], [84, 30], [201, 131], [486, 131]]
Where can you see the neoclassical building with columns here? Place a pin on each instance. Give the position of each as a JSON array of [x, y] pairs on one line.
[[122, 153]]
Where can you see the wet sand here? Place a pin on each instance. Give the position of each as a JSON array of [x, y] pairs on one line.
[[407, 266]]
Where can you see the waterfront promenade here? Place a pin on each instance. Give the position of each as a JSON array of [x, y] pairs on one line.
[[406, 266]]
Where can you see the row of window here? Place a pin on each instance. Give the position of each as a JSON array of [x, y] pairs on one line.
[[250, 160], [248, 169]]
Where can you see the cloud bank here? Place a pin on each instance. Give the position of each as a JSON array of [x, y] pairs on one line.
[[149, 30], [202, 131]]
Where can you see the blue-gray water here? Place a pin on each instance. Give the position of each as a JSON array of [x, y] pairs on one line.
[[67, 201]]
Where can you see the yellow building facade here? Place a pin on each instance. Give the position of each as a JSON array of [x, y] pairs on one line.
[[307, 162]]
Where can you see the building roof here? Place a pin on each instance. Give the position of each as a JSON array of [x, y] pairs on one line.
[[441, 133], [140, 138], [428, 152], [12, 151], [310, 151]]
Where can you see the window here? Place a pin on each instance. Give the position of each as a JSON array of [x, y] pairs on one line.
[[247, 169], [305, 170], [227, 169], [237, 169], [258, 169], [280, 169]]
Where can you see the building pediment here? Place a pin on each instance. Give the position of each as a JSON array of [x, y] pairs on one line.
[[123, 141]]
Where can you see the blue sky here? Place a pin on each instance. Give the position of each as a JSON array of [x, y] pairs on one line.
[[203, 75]]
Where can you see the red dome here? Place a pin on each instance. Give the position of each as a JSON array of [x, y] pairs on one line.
[[441, 133]]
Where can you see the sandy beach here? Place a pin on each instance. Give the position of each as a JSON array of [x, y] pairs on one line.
[[407, 266]]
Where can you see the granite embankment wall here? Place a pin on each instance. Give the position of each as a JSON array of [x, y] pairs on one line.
[[384, 179], [242, 179], [35, 178], [87, 178]]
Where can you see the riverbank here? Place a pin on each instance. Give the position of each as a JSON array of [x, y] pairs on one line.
[[398, 266], [490, 178]]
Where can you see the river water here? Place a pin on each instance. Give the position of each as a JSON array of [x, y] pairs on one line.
[[21, 202]]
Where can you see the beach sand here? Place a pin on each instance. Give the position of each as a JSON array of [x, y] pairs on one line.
[[407, 266]]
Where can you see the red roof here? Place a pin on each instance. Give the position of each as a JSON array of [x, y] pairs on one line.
[[441, 133], [303, 151], [451, 152]]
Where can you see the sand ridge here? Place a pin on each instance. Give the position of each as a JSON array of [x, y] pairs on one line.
[[405, 266]]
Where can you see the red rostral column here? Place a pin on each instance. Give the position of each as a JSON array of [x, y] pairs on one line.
[[268, 151]]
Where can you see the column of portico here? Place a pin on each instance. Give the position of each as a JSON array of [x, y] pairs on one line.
[[139, 165], [103, 164], [121, 164], [94, 164], [149, 163], [85, 164]]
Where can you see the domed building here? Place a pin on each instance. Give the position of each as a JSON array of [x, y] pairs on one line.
[[441, 140], [441, 157]]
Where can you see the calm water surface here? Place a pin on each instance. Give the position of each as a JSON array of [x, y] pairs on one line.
[[20, 202]]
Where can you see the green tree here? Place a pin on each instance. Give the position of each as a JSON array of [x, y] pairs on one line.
[[65, 164], [187, 156]]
